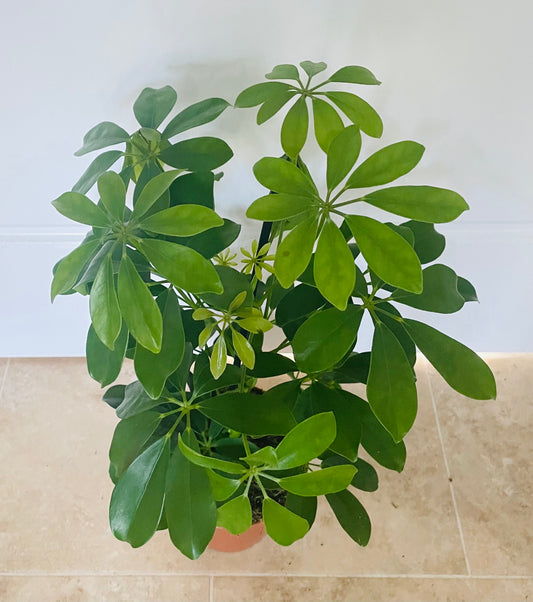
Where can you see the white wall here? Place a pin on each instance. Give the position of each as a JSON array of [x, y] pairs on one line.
[[457, 78]]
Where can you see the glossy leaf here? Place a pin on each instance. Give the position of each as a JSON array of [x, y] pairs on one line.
[[269, 364], [387, 253], [211, 242], [429, 244], [302, 506], [421, 203], [334, 268], [386, 165], [204, 382], [312, 68], [222, 487], [79, 208], [136, 400], [282, 525], [103, 305], [197, 114], [207, 462], [197, 154], [284, 72], [281, 176], [68, 269], [366, 477], [195, 188], [236, 515], [243, 348], [259, 93], [264, 456], [153, 105], [103, 364], [184, 267], [182, 220], [152, 191], [294, 128], [466, 290], [353, 370], [353, 74], [138, 307], [358, 111], [153, 369], [351, 515], [384, 311], [102, 135], [319, 482], [326, 337], [460, 367], [295, 306], [342, 155], [274, 207], [97, 167], [327, 123], [391, 388], [271, 106], [114, 396], [190, 508], [137, 500], [295, 250]]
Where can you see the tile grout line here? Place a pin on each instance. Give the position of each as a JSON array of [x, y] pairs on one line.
[[4, 378], [211, 588], [447, 467]]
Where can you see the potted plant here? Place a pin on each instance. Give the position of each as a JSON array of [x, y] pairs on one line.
[[198, 440]]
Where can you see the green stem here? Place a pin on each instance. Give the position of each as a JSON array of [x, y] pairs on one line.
[[246, 445]]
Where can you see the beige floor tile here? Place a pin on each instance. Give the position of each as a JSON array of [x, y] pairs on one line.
[[3, 373], [489, 445], [53, 510], [102, 588], [369, 589]]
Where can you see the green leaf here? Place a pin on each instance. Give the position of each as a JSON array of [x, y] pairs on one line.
[[466, 290], [269, 364], [295, 250], [79, 208], [205, 461], [153, 105], [68, 269], [429, 244], [302, 506], [219, 357], [271, 106], [129, 438], [390, 256], [138, 307], [342, 155], [327, 123], [222, 487], [440, 293], [259, 93], [326, 337], [243, 349], [295, 306], [391, 388], [311, 68], [294, 128], [384, 311], [197, 154], [354, 74], [102, 135], [197, 114], [204, 381], [422, 203], [103, 305], [97, 167], [211, 242], [236, 515], [366, 477], [263, 456], [114, 396], [196, 188], [358, 111], [153, 369], [136, 401], [233, 283], [351, 515], [255, 415], [190, 508], [306, 441], [319, 482], [281, 176], [284, 72], [113, 194], [137, 500], [460, 367], [334, 268], [386, 165], [182, 220], [152, 191], [103, 364], [353, 370], [282, 525], [184, 267]]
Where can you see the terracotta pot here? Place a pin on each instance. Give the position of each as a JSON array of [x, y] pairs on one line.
[[224, 541]]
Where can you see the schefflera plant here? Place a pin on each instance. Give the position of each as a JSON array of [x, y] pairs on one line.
[[196, 440]]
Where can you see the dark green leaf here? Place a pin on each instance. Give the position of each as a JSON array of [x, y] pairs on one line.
[[211, 242], [259, 93], [354, 74], [68, 269], [103, 305], [269, 364], [102, 135], [153, 105], [236, 515], [207, 462], [197, 154], [351, 515], [366, 477], [466, 289], [182, 220], [281, 176], [295, 306], [155, 187], [353, 370], [295, 250], [302, 506], [271, 106], [179, 377], [294, 128], [194, 188], [100, 165], [311, 68], [103, 364], [327, 123], [204, 381], [274, 207], [282, 525], [384, 310], [197, 114], [234, 282], [114, 396], [136, 400], [319, 482], [429, 244], [79, 208], [358, 111], [284, 72], [342, 155], [151, 169]]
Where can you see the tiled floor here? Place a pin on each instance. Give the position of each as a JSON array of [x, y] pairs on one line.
[[456, 525]]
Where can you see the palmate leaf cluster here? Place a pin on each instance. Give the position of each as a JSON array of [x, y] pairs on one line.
[[195, 435]]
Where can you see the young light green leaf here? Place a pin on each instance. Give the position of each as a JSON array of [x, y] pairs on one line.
[[342, 155], [153, 105], [79, 208], [102, 135], [222, 487], [236, 515], [255, 324], [219, 357], [391, 388], [152, 191], [327, 123], [284, 72], [103, 305], [275, 207], [354, 74], [389, 255], [386, 165], [197, 114], [97, 167], [326, 337], [294, 128], [197, 154], [182, 220], [294, 252], [259, 93], [243, 349], [264, 456], [138, 307], [319, 482], [460, 367], [313, 69], [207, 462], [113, 194], [137, 500], [282, 525], [68, 269], [281, 176], [422, 203], [351, 515], [334, 268], [103, 364], [358, 111]]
